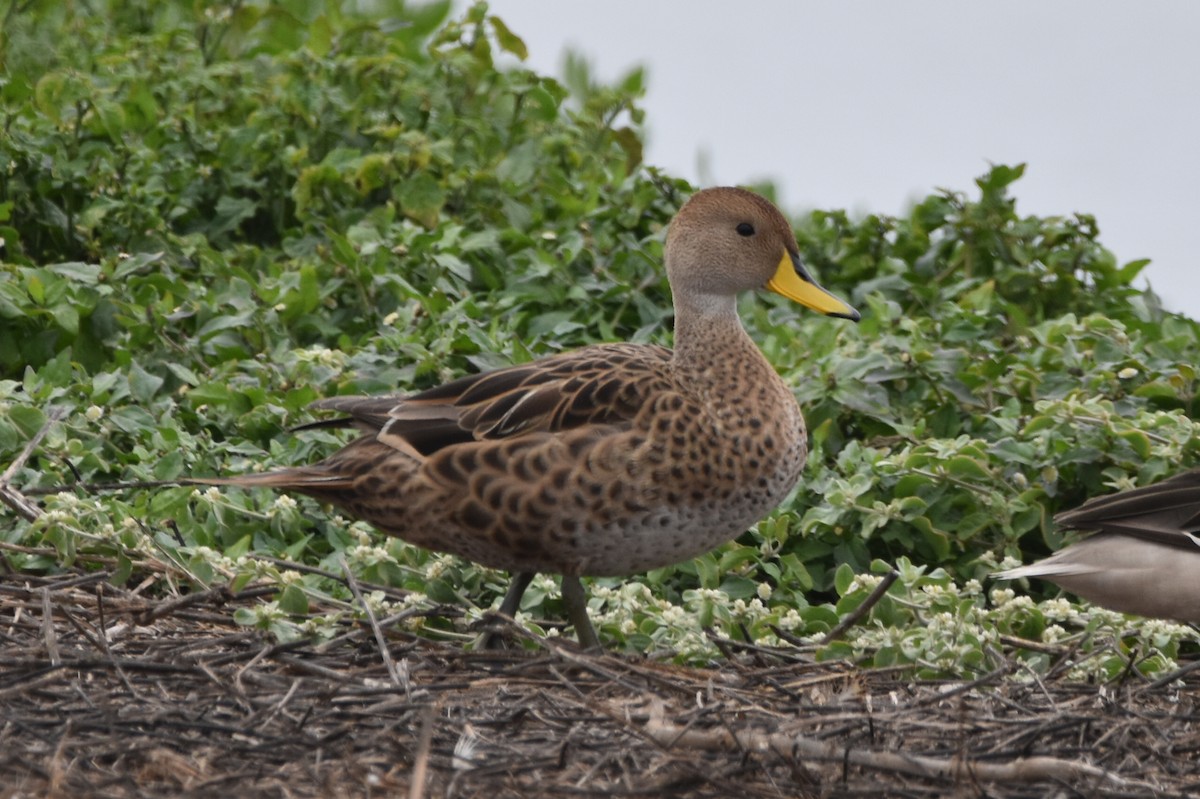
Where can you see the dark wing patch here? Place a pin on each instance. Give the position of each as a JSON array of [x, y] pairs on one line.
[[605, 384], [1167, 512], [368, 413], [511, 413]]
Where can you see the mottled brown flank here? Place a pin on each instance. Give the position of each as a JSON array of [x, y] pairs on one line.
[[610, 460]]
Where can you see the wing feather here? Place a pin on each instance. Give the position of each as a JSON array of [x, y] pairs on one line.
[[1167, 512], [606, 384]]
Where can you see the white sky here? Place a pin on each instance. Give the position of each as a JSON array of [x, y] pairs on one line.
[[870, 104]]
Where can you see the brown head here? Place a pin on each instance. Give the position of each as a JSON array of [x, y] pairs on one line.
[[726, 240]]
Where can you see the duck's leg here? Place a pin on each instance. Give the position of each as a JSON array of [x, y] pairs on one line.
[[516, 589], [511, 604], [575, 600]]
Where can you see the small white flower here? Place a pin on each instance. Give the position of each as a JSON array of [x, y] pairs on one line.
[[283, 503], [362, 533], [1127, 373], [764, 591], [1009, 562], [674, 615], [1057, 609], [791, 620], [391, 318], [288, 576], [1053, 633], [1018, 602], [94, 413], [942, 620], [376, 601], [861, 581], [413, 600], [1166, 628], [436, 568], [1002, 596]]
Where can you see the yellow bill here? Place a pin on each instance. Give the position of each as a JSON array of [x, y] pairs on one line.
[[793, 281]]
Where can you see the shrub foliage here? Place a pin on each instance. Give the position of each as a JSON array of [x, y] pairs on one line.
[[213, 215]]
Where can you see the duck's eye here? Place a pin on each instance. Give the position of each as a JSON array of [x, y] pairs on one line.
[[745, 229]]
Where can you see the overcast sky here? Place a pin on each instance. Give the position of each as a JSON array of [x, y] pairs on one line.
[[867, 105]]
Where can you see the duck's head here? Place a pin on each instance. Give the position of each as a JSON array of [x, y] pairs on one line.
[[725, 241]]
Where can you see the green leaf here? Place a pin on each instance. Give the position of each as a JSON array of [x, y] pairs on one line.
[[508, 41], [1156, 389], [1131, 270], [293, 600], [320, 36], [142, 384], [124, 569], [169, 466], [185, 374], [1000, 177], [36, 289], [211, 392], [310, 289], [66, 317], [136, 263], [518, 166], [966, 468], [421, 199], [843, 578], [546, 103], [1138, 441], [48, 94], [28, 419], [88, 274]]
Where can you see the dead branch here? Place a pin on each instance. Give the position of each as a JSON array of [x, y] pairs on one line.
[[1025, 769]]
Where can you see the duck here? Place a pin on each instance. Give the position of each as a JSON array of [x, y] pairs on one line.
[[1143, 554], [606, 461]]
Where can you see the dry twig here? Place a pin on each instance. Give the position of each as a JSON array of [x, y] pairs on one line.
[[1023, 769], [11, 496], [399, 679]]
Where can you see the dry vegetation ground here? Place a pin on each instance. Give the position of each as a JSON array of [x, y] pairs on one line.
[[105, 692]]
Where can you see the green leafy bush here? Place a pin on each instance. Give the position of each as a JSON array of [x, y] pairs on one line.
[[212, 217]]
